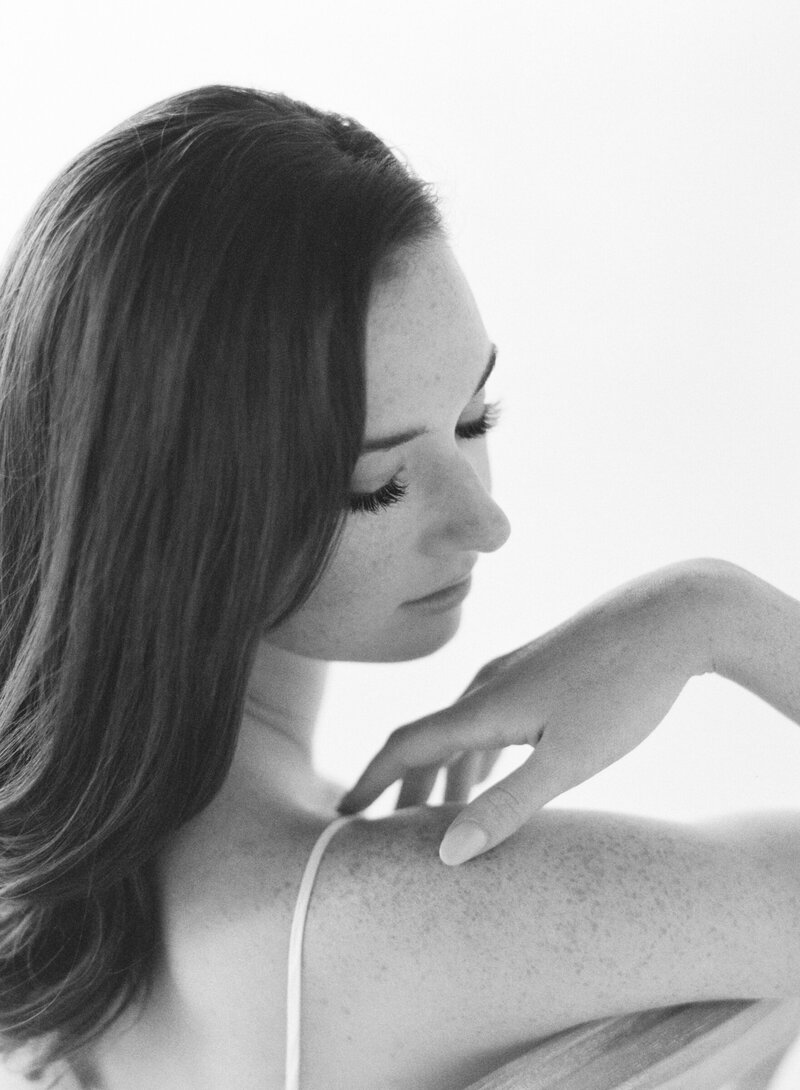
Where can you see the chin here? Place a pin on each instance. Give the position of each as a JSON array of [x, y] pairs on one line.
[[403, 641], [413, 642]]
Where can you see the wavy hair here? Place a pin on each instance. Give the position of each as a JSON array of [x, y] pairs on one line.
[[182, 326]]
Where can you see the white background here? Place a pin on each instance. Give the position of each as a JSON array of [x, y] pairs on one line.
[[622, 184]]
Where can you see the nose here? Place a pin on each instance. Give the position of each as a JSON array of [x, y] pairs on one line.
[[468, 519]]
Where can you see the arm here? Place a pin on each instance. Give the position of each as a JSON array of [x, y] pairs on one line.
[[591, 689], [756, 635], [575, 917]]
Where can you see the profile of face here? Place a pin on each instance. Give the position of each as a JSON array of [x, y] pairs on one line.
[[423, 511]]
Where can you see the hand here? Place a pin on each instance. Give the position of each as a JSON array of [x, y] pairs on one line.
[[464, 772], [583, 695]]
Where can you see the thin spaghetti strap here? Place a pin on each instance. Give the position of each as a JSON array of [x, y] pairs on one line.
[[296, 951]]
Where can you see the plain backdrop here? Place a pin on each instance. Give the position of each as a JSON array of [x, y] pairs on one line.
[[622, 185]]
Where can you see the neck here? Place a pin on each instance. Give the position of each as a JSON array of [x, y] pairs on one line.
[[276, 738]]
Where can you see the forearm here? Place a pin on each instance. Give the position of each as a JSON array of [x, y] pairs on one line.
[[754, 634]]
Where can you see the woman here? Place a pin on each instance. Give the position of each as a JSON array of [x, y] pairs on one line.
[[242, 419]]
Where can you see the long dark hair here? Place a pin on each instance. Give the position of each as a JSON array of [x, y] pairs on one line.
[[182, 399]]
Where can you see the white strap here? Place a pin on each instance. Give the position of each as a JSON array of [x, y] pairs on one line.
[[296, 953]]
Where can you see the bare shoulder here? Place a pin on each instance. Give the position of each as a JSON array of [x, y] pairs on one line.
[[580, 915], [229, 880], [228, 883]]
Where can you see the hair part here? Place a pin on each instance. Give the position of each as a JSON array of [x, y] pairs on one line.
[[182, 327]]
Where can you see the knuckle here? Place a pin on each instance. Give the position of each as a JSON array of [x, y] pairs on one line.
[[401, 751], [502, 803], [397, 745]]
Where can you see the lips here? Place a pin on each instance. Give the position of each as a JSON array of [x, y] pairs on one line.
[[448, 586]]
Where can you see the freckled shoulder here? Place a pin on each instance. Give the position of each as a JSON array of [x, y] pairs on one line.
[[437, 972], [415, 974]]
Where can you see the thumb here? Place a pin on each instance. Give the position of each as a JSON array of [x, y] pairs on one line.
[[502, 809]]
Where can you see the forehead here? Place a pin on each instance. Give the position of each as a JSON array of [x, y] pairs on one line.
[[425, 342]]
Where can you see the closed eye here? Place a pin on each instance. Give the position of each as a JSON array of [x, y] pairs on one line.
[[475, 428], [372, 502], [394, 490]]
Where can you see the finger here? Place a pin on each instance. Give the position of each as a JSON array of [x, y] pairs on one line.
[[505, 806], [417, 786], [462, 775], [432, 740], [488, 761]]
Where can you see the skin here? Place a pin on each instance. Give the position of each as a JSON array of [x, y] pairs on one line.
[[586, 916], [426, 350]]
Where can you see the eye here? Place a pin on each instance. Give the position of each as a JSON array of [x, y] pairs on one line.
[[394, 490], [474, 429], [372, 502]]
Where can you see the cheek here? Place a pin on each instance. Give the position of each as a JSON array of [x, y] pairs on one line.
[[369, 567], [363, 584], [356, 612]]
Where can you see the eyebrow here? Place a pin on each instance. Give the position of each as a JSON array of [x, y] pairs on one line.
[[389, 441]]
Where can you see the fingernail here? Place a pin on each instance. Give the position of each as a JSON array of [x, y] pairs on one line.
[[461, 842]]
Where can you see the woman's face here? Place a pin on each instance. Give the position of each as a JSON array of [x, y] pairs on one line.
[[427, 352]]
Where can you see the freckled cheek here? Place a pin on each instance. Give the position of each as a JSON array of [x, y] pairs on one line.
[[371, 566]]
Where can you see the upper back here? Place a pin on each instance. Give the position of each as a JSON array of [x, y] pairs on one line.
[[216, 1017]]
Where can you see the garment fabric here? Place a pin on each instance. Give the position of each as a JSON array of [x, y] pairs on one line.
[[295, 966]]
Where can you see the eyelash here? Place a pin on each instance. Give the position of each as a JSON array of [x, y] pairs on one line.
[[394, 490]]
